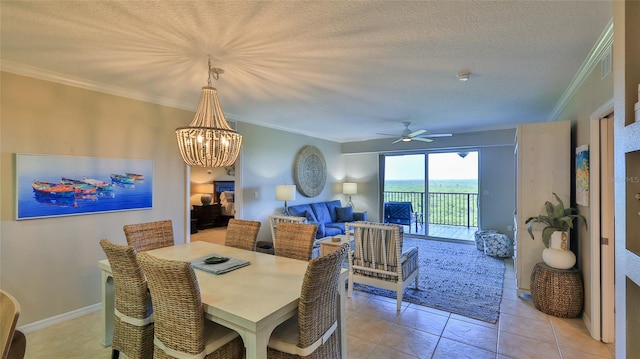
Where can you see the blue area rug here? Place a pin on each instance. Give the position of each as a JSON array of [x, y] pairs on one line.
[[453, 277]]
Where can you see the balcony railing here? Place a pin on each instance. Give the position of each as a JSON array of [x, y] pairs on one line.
[[454, 209]]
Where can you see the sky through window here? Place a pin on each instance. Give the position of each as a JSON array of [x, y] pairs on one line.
[[441, 166]]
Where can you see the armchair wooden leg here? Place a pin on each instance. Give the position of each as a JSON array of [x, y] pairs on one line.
[[115, 354]]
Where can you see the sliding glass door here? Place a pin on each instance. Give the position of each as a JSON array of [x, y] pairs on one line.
[[442, 188], [405, 181]]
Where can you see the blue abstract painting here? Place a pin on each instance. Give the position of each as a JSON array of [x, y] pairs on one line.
[[582, 175], [50, 185]]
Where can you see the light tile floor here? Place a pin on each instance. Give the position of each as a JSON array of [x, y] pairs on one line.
[[376, 331]]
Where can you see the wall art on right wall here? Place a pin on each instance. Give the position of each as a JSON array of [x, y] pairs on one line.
[[582, 175]]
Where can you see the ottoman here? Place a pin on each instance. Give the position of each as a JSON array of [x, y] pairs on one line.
[[497, 245], [479, 236]]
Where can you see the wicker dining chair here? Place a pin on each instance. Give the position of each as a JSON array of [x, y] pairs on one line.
[[313, 333], [133, 319], [276, 219], [181, 330], [242, 234], [149, 235], [13, 343], [295, 240]]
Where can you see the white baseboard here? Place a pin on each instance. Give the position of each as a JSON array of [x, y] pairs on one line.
[[45, 323]]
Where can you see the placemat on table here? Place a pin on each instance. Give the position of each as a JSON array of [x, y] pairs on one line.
[[219, 268]]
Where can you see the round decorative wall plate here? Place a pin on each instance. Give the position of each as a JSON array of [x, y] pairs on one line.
[[310, 171]]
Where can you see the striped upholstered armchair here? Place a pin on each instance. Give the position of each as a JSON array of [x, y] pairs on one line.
[[377, 258]]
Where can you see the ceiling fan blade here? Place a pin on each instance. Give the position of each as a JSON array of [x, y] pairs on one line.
[[396, 141], [422, 139], [387, 134], [416, 133], [438, 135]]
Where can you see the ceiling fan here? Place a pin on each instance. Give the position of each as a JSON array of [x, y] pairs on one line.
[[407, 135]]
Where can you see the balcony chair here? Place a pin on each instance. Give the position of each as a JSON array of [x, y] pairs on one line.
[[401, 213], [181, 330], [378, 260], [242, 234], [312, 333], [295, 240], [133, 320], [150, 235], [13, 341]]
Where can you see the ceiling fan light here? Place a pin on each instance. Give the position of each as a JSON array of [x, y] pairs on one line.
[[406, 139]]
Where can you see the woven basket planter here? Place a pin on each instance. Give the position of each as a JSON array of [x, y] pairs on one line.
[[557, 292]]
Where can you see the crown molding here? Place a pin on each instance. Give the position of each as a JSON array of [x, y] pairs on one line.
[[599, 50], [38, 73]]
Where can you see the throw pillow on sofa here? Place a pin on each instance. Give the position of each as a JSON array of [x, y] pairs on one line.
[[310, 217], [303, 211], [344, 214], [321, 211]]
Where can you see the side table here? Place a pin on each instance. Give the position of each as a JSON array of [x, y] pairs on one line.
[[557, 292], [328, 246], [208, 215]]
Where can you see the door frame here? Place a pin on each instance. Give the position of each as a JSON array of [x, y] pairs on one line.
[[599, 325]]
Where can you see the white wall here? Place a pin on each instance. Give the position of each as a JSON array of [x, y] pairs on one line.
[[497, 188], [363, 170], [496, 166], [592, 94], [49, 264], [267, 158]]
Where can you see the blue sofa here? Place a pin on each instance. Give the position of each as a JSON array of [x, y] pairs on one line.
[[329, 216]]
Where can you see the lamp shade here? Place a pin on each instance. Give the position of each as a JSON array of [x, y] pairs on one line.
[[285, 192], [205, 189], [349, 188], [202, 188]]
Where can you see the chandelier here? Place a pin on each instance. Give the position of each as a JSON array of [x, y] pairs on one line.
[[209, 141]]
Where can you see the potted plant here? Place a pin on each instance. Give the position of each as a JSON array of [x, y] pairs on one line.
[[555, 234]]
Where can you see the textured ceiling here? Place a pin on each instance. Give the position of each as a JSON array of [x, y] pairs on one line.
[[342, 71]]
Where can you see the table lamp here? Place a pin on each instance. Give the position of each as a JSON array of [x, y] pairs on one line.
[[349, 188], [285, 192], [205, 189]]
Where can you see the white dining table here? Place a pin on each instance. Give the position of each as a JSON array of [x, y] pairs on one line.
[[251, 300]]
